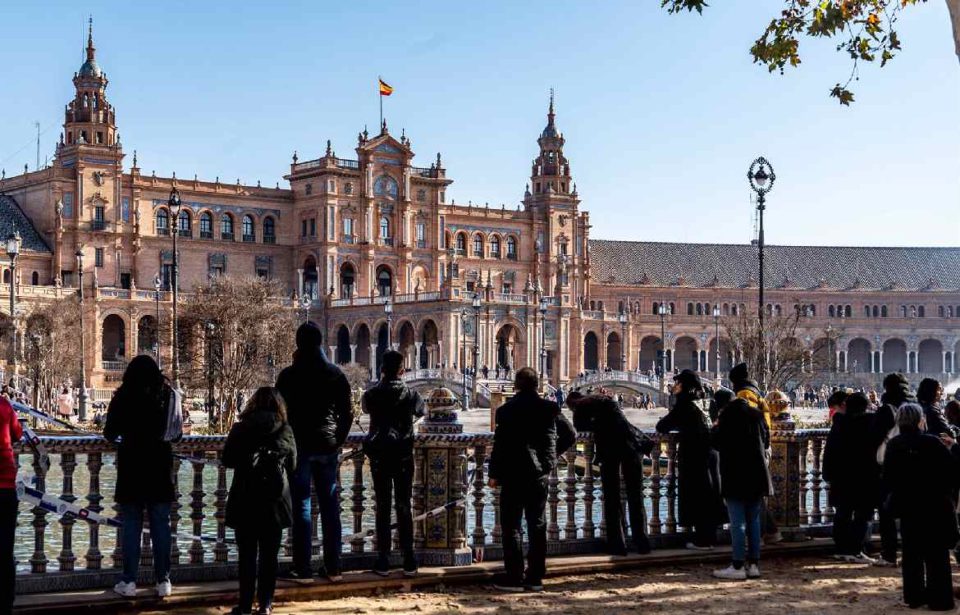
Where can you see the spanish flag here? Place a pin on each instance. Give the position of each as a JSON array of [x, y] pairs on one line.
[[385, 88]]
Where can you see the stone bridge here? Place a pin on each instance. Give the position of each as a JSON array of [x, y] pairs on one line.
[[632, 381], [428, 379]]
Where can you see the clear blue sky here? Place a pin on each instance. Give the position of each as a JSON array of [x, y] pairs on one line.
[[662, 114]]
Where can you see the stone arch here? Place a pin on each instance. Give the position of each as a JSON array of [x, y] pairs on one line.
[[384, 280], [726, 356], [614, 351], [161, 221], [495, 246], [420, 279], [35, 278], [384, 340], [894, 355], [113, 338], [269, 229], [227, 226], [510, 346], [429, 343], [930, 356], [362, 340], [311, 277], [185, 222], [348, 280], [205, 220], [685, 349], [343, 345], [591, 351], [248, 227], [650, 348], [824, 354], [477, 245], [859, 355], [406, 338], [461, 242]]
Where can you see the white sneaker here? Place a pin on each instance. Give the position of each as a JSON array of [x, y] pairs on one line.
[[753, 571], [164, 589], [884, 563], [731, 573], [127, 590], [695, 547], [859, 558]]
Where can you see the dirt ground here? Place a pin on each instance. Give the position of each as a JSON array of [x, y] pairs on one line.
[[798, 585]]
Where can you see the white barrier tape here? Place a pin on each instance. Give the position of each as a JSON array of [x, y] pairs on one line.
[[34, 441]]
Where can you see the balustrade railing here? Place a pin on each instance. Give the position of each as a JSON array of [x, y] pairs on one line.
[[57, 552]]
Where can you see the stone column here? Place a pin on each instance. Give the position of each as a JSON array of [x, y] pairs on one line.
[[786, 450], [299, 282], [441, 469], [837, 364], [353, 353], [880, 361], [946, 368], [416, 357], [373, 361]]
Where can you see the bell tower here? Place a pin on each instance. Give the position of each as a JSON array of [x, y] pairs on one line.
[[550, 173], [89, 118]]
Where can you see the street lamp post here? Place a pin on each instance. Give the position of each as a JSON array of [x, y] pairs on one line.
[[476, 344], [175, 205], [388, 310], [82, 401], [305, 302], [716, 337], [464, 319], [761, 178], [543, 341], [157, 285], [663, 311], [623, 340], [13, 250]]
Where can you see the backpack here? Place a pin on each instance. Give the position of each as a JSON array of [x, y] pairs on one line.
[[267, 478], [173, 432]]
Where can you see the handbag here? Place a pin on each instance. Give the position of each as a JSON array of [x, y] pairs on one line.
[[174, 422]]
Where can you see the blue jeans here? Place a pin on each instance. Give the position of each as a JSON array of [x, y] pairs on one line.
[[132, 516], [323, 469], [744, 528]]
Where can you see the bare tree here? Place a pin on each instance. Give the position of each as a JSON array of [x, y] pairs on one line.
[[790, 361], [235, 332], [51, 345]]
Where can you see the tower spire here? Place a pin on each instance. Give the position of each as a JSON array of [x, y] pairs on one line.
[[550, 112], [91, 50]]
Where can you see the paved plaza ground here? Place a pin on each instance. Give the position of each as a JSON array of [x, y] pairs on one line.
[[799, 585]]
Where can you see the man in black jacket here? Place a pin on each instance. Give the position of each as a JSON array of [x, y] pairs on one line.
[[618, 445], [317, 395], [393, 408], [530, 434]]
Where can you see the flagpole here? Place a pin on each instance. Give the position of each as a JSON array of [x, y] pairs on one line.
[[380, 96]]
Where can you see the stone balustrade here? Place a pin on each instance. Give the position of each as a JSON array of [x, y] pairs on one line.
[[57, 553]]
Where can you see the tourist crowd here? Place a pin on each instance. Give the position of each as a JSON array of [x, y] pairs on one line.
[[896, 458]]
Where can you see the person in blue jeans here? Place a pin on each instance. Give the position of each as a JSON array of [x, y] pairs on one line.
[[320, 412], [137, 422], [741, 438]]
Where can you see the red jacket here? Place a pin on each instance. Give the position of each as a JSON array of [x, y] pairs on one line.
[[10, 432]]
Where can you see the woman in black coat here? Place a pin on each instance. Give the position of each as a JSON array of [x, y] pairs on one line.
[[137, 422], [263, 453], [699, 494], [922, 475]]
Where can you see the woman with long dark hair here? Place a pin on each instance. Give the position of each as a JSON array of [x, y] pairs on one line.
[[699, 493], [262, 450], [137, 422]]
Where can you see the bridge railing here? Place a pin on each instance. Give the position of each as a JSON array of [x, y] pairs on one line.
[[449, 377], [63, 552], [612, 376]]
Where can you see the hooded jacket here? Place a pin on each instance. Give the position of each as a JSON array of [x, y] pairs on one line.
[[317, 395], [896, 391], [749, 391], [525, 443], [614, 436], [393, 407], [741, 438], [850, 458], [245, 507]]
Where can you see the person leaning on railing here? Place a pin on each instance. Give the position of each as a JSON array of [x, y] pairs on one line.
[[10, 432]]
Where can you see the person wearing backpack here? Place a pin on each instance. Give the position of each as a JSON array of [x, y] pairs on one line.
[[263, 454], [317, 396], [393, 408], [137, 421]]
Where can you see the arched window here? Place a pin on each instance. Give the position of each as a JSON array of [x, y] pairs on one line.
[[163, 222], [384, 227], [940, 311], [656, 308], [347, 280], [690, 309], [226, 227], [726, 309], [6, 276], [35, 280], [777, 310], [478, 245], [384, 280], [185, 223], [600, 305], [699, 309], [866, 311], [848, 311], [248, 228], [673, 308], [461, 243], [883, 311], [620, 307], [831, 311], [921, 312], [269, 230], [903, 311], [206, 225], [593, 305], [512, 248], [495, 246]]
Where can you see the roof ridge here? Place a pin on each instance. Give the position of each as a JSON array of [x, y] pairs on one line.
[[769, 245]]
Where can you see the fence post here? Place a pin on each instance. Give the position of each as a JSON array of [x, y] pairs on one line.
[[785, 470]]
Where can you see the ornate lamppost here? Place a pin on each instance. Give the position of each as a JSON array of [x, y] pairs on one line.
[[13, 250], [464, 319], [543, 341], [175, 206], [663, 310], [477, 303], [761, 178], [388, 310], [716, 322], [623, 339], [157, 287], [82, 401]]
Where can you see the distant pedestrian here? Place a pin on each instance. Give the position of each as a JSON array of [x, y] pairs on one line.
[[263, 454], [930, 397], [619, 448], [65, 404], [835, 403], [699, 492], [317, 396], [393, 408], [10, 434], [525, 451], [137, 420], [922, 476]]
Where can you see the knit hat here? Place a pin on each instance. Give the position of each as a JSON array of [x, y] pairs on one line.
[[689, 379], [739, 373], [723, 396], [309, 336]]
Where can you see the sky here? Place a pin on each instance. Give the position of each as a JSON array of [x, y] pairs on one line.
[[662, 114]]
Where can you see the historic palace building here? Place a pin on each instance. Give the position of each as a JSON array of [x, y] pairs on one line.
[[524, 284]]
